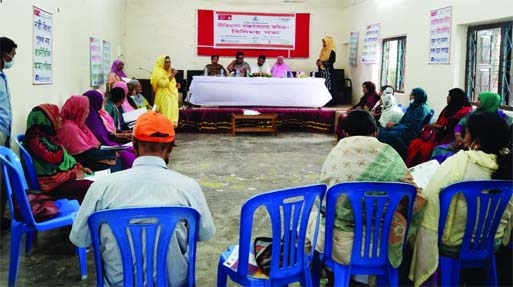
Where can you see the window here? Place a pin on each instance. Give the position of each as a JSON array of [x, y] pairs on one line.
[[392, 62], [489, 61]]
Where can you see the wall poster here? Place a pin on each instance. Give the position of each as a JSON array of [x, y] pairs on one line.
[[353, 48], [440, 36], [96, 62], [370, 44], [42, 57]]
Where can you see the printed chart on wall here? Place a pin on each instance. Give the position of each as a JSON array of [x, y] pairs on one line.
[[254, 30], [370, 44], [42, 65], [440, 36], [353, 48], [106, 59], [96, 61]]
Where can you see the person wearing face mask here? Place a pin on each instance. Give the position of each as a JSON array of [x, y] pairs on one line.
[[487, 157], [399, 135], [148, 183], [7, 53]]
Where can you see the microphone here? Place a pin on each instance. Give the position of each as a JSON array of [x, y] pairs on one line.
[[149, 72]]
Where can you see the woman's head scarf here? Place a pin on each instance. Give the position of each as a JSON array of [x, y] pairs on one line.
[[279, 70], [114, 68], [158, 70], [489, 102], [326, 51], [459, 99], [419, 96], [74, 134]]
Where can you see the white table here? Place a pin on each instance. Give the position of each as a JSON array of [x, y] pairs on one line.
[[271, 92]]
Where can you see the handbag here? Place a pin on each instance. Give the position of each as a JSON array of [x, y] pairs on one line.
[[428, 133], [43, 206]]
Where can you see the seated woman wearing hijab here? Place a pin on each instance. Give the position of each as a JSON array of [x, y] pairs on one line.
[[390, 110], [135, 98], [487, 158], [401, 134], [112, 106], [280, 69], [58, 173], [420, 149], [78, 139], [95, 124], [370, 97], [486, 102], [125, 105], [359, 156], [116, 73]]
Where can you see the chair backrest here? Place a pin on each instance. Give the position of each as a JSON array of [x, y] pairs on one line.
[[27, 162], [428, 117], [142, 234], [289, 211], [15, 185], [486, 202], [373, 205]]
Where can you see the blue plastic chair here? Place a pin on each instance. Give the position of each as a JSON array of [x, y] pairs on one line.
[[373, 205], [16, 185], [429, 117], [27, 162], [142, 234], [486, 203], [289, 211]]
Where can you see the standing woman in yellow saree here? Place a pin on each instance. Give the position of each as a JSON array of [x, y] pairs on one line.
[[166, 92]]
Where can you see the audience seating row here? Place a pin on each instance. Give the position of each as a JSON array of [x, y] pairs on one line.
[[289, 212]]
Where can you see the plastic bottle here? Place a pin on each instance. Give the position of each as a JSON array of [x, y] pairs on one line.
[[237, 73], [205, 72], [222, 72]]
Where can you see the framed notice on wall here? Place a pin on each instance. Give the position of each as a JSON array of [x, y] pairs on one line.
[[440, 36], [106, 60], [96, 62], [42, 53], [353, 48], [370, 44]]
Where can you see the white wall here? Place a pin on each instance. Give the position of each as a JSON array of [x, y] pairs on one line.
[[73, 23], [411, 19], [170, 27]]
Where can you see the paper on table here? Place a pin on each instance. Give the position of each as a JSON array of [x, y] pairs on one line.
[[250, 112], [97, 174], [422, 173]]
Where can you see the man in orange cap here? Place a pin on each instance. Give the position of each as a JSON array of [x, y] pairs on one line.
[[148, 183]]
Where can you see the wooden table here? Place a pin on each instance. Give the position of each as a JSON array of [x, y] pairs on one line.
[[261, 123]]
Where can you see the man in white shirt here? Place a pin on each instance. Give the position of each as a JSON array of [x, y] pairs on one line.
[[148, 183], [261, 67]]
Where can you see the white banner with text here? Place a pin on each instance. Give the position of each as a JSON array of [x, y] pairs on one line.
[[234, 30]]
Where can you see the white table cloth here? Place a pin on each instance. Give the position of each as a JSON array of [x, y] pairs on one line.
[[271, 92]]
